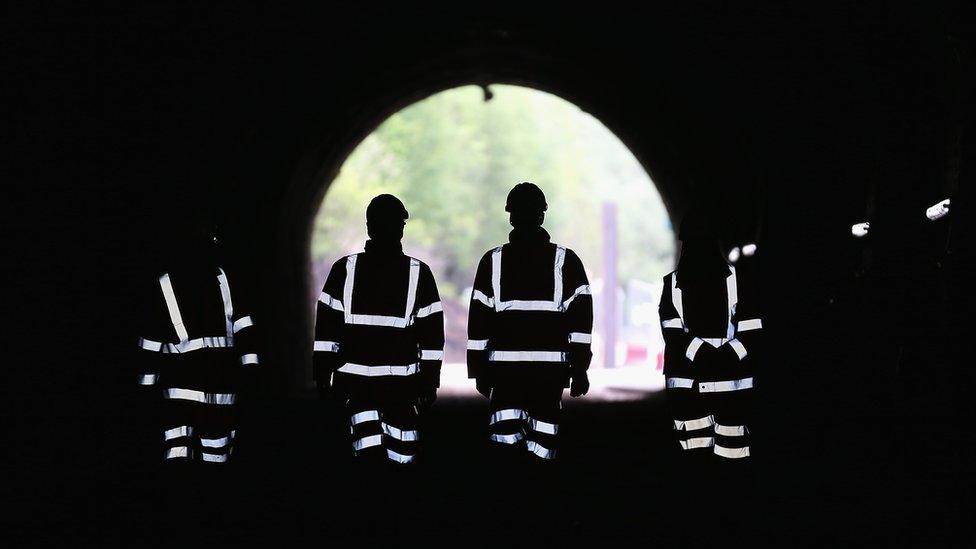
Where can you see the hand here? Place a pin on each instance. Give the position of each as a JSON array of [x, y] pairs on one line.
[[580, 385], [483, 387], [426, 400]]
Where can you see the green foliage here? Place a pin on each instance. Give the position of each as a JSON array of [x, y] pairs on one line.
[[452, 158]]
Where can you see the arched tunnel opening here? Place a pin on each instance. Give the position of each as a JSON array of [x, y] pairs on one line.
[[838, 142]]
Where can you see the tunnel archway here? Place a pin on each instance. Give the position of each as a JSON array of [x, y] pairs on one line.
[[454, 155]]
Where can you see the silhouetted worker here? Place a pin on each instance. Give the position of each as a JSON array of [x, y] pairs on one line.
[[198, 340], [379, 336], [709, 325], [529, 324]]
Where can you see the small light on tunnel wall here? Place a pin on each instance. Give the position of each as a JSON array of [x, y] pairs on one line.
[[749, 250], [938, 211], [734, 254], [860, 230]]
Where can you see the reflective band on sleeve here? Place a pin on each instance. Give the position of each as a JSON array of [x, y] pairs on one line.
[[739, 348], [732, 453], [730, 430], [249, 358], [507, 414], [217, 442], [431, 355], [477, 344], [372, 371], [200, 396], [722, 386], [150, 345], [543, 426], [937, 211], [243, 322], [173, 307], [539, 450], [148, 379], [672, 323], [478, 295], [751, 324], [400, 434], [693, 348], [397, 457], [330, 301], [527, 356], [694, 424], [679, 383], [362, 417], [579, 337], [582, 290], [214, 458], [429, 310], [177, 432], [507, 439], [327, 346], [367, 442], [177, 452], [697, 442]]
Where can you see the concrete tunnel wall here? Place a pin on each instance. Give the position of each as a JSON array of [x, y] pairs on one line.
[[791, 124]]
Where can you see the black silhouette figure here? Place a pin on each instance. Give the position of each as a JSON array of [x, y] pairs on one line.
[[529, 325], [198, 342], [710, 328], [379, 338]]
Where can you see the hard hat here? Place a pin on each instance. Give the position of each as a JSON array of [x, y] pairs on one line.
[[386, 208], [526, 197]]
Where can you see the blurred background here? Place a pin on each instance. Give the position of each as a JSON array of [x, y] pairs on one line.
[[453, 157]]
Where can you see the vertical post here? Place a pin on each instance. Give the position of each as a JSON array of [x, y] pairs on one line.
[[609, 284]]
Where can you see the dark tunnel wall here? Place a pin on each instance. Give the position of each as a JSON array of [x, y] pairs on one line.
[[791, 124]]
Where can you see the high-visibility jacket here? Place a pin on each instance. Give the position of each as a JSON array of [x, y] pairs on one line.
[[197, 339], [531, 312], [379, 322]]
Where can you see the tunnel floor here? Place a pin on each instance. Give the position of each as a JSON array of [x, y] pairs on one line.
[[619, 477]]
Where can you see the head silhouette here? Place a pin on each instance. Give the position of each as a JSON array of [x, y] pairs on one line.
[[526, 205], [385, 218], [701, 252]]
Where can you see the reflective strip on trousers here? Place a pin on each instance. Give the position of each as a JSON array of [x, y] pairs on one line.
[[330, 301], [397, 457], [173, 307], [327, 346], [177, 452], [431, 355], [582, 290], [148, 379], [730, 430], [680, 383], [539, 450], [373, 371], [362, 417], [200, 396], [543, 427], [214, 458], [672, 323], [507, 414], [527, 356], [367, 442], [249, 358], [478, 295], [722, 386], [580, 337], [507, 439], [732, 453], [694, 424], [698, 442], [751, 324], [177, 432], [477, 344], [150, 345], [243, 322], [217, 442], [400, 434], [217, 342], [429, 310], [528, 305]]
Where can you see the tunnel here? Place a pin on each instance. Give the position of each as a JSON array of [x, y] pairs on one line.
[[792, 125]]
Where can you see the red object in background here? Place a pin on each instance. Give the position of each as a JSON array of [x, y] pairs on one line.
[[635, 353], [660, 361]]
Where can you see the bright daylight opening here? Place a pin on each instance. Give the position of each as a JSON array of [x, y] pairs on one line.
[[453, 157]]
